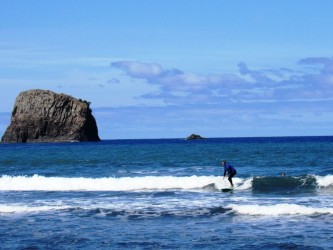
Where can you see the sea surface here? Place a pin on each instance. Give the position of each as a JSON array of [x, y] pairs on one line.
[[166, 194]]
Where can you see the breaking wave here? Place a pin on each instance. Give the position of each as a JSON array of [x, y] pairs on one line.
[[210, 183], [41, 183], [132, 212], [280, 209]]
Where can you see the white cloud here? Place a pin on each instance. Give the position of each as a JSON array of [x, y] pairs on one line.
[[138, 69], [177, 86]]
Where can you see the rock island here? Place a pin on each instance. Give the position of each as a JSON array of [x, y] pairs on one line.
[[45, 116]]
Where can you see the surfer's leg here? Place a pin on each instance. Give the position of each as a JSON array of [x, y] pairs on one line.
[[230, 178]]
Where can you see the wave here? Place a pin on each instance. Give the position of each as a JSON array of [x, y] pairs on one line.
[[29, 209], [157, 211], [41, 183], [209, 183], [284, 183], [129, 212], [324, 181], [280, 209]]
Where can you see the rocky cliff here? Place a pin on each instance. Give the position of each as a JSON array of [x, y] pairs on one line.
[[45, 116]]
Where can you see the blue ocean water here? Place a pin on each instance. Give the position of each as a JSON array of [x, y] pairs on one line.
[[165, 194]]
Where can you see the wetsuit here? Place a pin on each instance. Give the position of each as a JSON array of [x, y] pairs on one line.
[[231, 172]]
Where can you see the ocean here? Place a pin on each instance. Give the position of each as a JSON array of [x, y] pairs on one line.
[[166, 194]]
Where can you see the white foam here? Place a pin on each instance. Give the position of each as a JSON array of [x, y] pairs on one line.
[[280, 209], [324, 181], [246, 184], [240, 184], [28, 209], [41, 183]]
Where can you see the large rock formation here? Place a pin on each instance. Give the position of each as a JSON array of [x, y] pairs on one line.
[[45, 116]]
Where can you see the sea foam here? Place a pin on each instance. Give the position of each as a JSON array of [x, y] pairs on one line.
[[42, 183], [324, 181], [280, 209], [26, 209]]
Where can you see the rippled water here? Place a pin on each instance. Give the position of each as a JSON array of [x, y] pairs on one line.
[[166, 194]]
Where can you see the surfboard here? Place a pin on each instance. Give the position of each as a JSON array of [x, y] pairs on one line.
[[227, 189]]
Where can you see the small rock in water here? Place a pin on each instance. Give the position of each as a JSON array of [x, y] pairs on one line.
[[194, 137]]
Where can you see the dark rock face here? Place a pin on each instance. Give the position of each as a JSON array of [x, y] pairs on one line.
[[45, 116], [194, 137]]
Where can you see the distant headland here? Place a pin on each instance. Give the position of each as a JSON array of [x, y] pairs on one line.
[[45, 116]]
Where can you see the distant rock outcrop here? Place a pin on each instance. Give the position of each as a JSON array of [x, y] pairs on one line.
[[45, 116], [194, 137]]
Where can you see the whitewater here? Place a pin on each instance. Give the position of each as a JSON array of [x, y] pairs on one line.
[[42, 183], [152, 194]]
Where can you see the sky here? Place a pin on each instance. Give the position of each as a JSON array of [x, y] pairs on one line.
[[167, 69]]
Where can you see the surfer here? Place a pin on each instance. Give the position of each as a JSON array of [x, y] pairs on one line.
[[230, 170]]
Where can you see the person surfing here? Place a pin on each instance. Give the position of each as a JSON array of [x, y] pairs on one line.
[[230, 170]]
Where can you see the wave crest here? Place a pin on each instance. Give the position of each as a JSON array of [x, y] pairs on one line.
[[280, 209], [207, 183], [41, 183], [284, 183]]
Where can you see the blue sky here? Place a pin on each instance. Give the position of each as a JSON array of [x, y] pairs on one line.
[[166, 69]]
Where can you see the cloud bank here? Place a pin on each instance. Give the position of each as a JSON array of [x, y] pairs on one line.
[[314, 82]]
